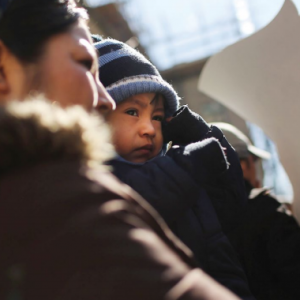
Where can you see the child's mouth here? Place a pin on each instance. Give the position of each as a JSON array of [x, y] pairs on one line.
[[145, 149]]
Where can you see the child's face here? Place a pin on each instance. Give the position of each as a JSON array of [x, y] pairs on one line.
[[136, 127]]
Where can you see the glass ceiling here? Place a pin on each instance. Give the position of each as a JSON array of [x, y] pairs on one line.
[[179, 31]]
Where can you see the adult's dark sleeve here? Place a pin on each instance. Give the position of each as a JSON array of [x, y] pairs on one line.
[[268, 243], [284, 254]]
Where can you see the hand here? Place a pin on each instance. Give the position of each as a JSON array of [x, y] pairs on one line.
[[184, 127], [204, 160]]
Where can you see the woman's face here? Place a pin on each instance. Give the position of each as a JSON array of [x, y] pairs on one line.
[[67, 72]]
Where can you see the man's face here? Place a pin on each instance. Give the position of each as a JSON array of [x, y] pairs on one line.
[[136, 127], [249, 170]]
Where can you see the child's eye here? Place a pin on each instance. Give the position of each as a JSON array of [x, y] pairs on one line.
[[132, 112], [88, 63], [158, 118]]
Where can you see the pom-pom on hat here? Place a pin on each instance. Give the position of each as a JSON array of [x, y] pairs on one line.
[[126, 72]]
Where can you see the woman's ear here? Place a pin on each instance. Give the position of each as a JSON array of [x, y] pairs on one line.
[[4, 61]]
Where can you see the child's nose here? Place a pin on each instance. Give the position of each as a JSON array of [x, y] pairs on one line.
[[147, 128]]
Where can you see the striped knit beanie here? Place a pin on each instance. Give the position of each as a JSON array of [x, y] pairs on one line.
[[125, 72]]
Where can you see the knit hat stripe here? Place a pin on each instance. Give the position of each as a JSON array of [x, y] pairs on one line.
[[144, 84], [107, 42], [136, 79], [121, 49], [108, 49], [105, 59], [124, 67], [126, 72]]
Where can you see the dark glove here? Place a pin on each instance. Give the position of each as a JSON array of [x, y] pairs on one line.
[[185, 127], [204, 160]]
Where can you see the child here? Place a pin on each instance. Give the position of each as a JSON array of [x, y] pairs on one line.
[[171, 183]]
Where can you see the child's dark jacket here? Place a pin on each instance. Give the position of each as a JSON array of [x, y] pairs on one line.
[[227, 191], [188, 210]]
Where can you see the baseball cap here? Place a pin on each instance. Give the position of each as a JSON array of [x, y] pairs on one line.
[[240, 142]]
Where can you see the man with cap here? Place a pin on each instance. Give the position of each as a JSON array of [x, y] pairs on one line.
[[247, 153], [268, 238]]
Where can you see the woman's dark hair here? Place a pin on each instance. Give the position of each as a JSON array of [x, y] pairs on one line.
[[26, 25]]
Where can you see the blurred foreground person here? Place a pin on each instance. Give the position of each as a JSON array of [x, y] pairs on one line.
[[268, 238], [69, 230]]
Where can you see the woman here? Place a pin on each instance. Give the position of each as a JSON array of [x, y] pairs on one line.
[[41, 44], [68, 231]]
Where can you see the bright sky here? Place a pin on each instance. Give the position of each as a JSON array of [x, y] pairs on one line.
[[176, 31]]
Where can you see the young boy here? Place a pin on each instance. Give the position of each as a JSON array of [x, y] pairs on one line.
[[172, 183]]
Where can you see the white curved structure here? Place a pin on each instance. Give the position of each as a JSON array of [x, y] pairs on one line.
[[259, 79]]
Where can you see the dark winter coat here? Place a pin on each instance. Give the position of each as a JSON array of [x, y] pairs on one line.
[[193, 212], [227, 191], [268, 244], [189, 212], [70, 232]]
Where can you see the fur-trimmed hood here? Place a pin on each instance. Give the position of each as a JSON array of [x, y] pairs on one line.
[[36, 130]]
